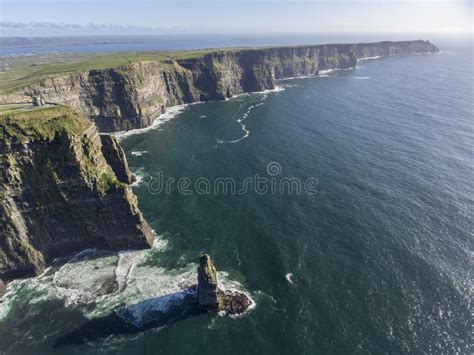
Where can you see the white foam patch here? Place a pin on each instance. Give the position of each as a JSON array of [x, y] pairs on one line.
[[85, 281], [36, 289], [297, 77], [278, 88], [170, 113], [160, 243], [140, 175], [242, 125], [98, 283], [289, 277], [226, 284], [370, 58], [151, 289], [326, 71], [139, 153], [362, 77]]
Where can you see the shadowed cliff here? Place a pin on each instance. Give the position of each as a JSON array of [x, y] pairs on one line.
[[59, 195]]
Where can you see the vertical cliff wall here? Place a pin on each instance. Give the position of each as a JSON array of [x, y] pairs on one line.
[[58, 193], [134, 95]]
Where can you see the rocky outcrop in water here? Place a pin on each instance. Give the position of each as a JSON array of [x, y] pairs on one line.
[[58, 193], [134, 95], [213, 298], [208, 295]]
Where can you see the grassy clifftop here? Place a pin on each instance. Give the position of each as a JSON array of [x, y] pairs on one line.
[[28, 70], [17, 73], [40, 123], [44, 124]]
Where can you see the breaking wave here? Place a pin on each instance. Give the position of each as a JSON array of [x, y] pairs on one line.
[[170, 113], [243, 126], [98, 283]]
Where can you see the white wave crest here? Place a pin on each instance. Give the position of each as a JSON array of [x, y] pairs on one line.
[[139, 153], [140, 175], [370, 58], [226, 284], [98, 283], [243, 126], [170, 113]]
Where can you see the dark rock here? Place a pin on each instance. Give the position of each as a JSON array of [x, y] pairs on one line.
[[38, 101], [116, 158], [3, 289], [208, 296], [235, 302]]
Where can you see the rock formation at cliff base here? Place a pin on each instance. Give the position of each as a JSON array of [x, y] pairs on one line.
[[208, 295], [213, 298]]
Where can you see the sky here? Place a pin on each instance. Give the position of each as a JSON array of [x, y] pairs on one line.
[[104, 17]]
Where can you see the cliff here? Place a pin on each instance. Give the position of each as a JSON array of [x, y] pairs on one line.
[[58, 193], [132, 96], [115, 157]]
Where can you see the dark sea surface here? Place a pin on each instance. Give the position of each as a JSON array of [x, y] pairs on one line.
[[379, 260]]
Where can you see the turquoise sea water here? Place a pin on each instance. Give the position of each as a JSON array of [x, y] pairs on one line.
[[377, 261]]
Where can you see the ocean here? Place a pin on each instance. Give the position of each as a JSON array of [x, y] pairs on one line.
[[373, 256]]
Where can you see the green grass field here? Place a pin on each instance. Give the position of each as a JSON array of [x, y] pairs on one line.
[[27, 70]]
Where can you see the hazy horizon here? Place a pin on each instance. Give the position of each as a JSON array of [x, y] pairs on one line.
[[263, 17]]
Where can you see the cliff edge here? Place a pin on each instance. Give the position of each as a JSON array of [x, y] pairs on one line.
[[132, 96], [59, 195]]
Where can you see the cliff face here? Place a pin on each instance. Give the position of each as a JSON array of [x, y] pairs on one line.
[[115, 157], [385, 49], [58, 193], [133, 96]]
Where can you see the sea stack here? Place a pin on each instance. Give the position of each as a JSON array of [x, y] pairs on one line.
[[212, 298], [209, 296]]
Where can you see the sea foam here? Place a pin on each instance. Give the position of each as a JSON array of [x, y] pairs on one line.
[[138, 153], [170, 113], [243, 126], [98, 283]]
